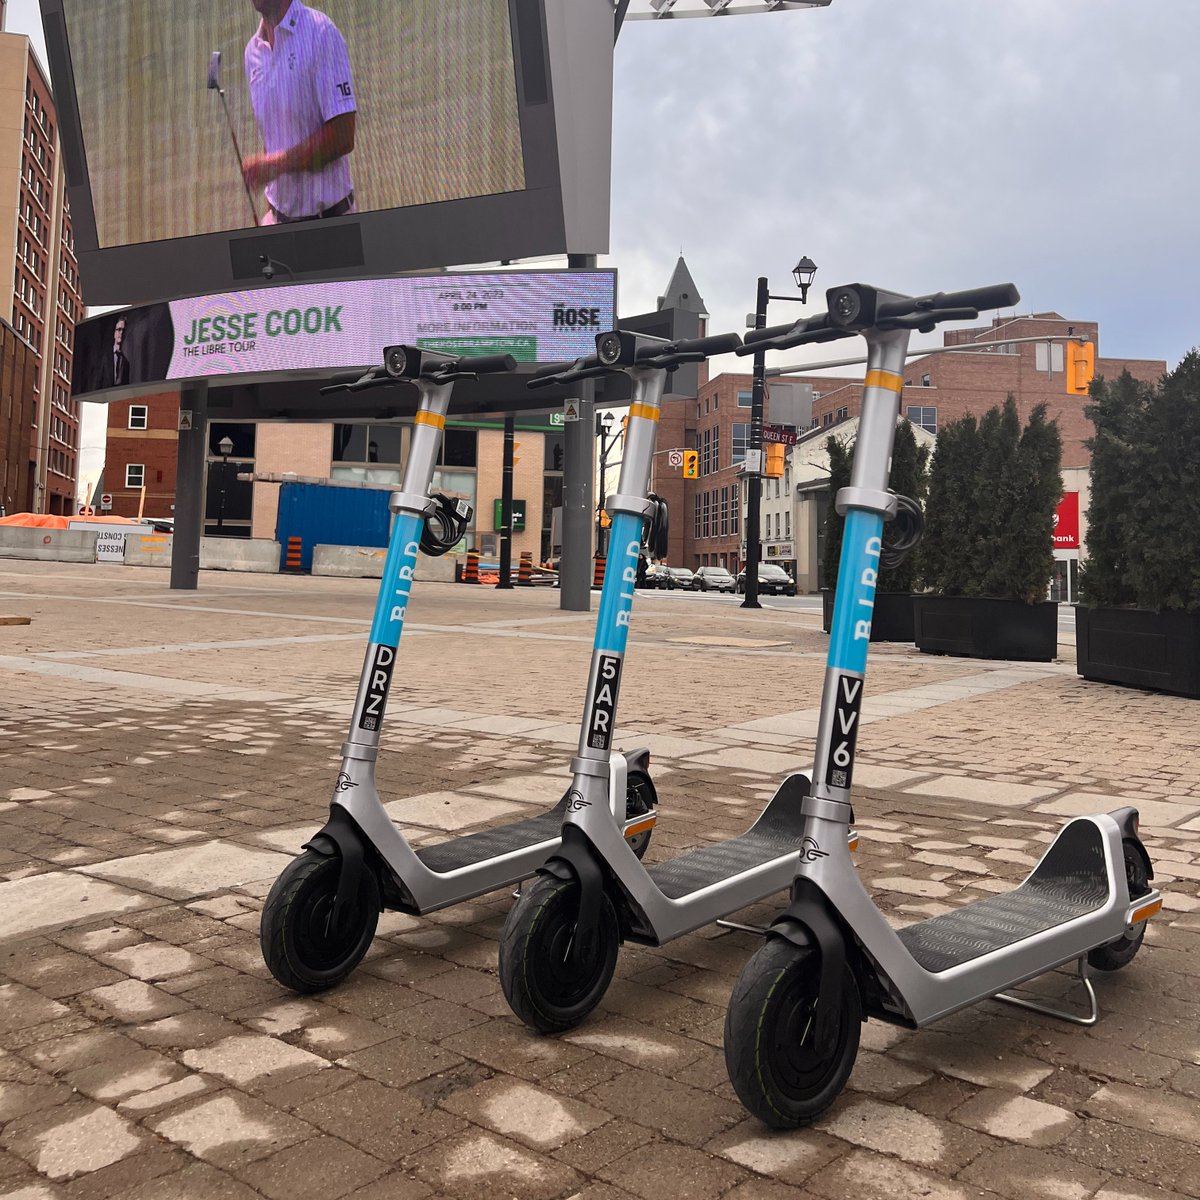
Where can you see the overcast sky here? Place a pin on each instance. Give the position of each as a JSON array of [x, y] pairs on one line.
[[922, 145]]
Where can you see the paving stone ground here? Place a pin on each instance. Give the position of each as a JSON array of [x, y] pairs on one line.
[[163, 754]]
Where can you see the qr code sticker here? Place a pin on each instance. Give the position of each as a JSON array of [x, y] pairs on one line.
[[598, 741], [838, 779], [370, 723]]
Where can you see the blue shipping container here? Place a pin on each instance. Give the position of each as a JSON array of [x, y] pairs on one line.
[[331, 516]]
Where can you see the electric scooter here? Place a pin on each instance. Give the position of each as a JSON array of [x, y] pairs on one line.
[[559, 946], [831, 959], [322, 911]]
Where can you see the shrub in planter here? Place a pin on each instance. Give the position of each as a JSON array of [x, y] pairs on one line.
[[988, 552], [1140, 621], [892, 619]]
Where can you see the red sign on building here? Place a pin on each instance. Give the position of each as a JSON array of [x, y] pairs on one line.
[[1066, 522]]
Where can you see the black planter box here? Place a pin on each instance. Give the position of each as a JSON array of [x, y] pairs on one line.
[[980, 627], [891, 619], [1139, 647]]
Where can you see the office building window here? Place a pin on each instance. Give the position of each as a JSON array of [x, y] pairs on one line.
[[696, 516], [138, 414], [925, 417], [135, 475], [741, 440], [745, 399]]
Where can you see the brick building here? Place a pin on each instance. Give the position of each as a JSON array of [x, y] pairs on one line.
[[938, 388], [18, 370], [44, 303], [143, 444]]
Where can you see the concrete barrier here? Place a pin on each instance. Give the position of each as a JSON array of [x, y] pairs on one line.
[[256, 555], [366, 562], [48, 545]]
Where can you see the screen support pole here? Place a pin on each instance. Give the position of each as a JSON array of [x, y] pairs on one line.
[[189, 486], [579, 458]]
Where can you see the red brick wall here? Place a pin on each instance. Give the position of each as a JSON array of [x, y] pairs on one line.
[[18, 372], [155, 447]]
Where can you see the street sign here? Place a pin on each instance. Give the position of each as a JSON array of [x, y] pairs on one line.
[[556, 419], [185, 419], [675, 458], [571, 410], [106, 502], [784, 435]]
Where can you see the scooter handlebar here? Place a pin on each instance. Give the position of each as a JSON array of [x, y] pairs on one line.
[[485, 364], [588, 367], [996, 295], [689, 350]]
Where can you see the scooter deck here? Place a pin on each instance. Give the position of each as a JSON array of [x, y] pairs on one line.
[[775, 835], [494, 843], [1069, 882]]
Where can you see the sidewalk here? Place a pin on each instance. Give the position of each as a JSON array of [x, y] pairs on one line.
[[162, 754]]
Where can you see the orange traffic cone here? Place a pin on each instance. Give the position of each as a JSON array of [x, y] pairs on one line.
[[471, 570]]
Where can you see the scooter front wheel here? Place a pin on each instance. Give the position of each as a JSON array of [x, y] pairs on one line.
[[779, 1068], [546, 983], [306, 946]]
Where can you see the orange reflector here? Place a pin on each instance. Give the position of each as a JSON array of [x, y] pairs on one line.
[[640, 827], [853, 844], [1145, 912]]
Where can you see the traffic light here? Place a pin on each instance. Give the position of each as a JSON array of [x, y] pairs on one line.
[[691, 464], [776, 453], [516, 455], [1081, 367], [605, 519]]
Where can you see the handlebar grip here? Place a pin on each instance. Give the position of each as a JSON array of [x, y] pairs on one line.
[[549, 371], [996, 295], [762, 335], [582, 368], [486, 364], [717, 343]]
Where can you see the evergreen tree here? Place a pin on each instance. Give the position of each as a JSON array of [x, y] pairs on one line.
[[1163, 526], [1117, 410], [909, 476], [992, 494], [950, 516]]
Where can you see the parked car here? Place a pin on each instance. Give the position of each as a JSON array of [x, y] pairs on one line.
[[680, 577], [772, 581], [712, 579]]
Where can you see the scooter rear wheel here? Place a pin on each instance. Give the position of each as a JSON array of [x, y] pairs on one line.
[[301, 945], [778, 1071], [1114, 955], [544, 982], [640, 801]]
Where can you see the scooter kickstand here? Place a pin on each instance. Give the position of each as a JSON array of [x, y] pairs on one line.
[[1062, 1015], [738, 925]]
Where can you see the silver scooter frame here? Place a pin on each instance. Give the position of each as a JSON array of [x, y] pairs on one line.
[[909, 992], [772, 845], [418, 888]]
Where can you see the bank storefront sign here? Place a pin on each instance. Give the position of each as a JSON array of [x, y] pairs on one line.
[[536, 316]]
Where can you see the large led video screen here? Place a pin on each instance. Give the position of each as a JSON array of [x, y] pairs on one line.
[[204, 140], [536, 316], [225, 114]]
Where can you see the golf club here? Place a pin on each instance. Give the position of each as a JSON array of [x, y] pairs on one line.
[[214, 85]]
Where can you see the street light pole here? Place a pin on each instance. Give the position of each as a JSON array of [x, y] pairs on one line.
[[604, 424], [754, 455], [803, 273]]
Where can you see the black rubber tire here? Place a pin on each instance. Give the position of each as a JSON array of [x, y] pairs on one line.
[[1120, 952], [547, 990], [782, 1080], [640, 800], [297, 945]]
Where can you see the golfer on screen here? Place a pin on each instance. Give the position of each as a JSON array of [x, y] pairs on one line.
[[298, 69]]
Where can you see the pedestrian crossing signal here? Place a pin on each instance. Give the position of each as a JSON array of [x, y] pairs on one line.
[[691, 464]]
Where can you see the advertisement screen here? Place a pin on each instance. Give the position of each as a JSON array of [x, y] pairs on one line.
[[536, 316], [220, 115]]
